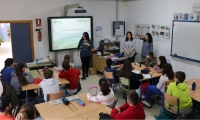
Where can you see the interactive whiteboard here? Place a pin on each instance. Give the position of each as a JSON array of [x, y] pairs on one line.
[[185, 42]]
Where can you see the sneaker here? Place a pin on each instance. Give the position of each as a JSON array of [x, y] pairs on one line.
[[146, 103]]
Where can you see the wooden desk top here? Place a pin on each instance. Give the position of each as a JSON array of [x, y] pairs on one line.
[[95, 114], [153, 72], [191, 81], [76, 118], [89, 106], [32, 86], [33, 65], [55, 112], [55, 74]]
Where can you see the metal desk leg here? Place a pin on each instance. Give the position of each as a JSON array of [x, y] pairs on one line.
[[195, 109], [27, 96]]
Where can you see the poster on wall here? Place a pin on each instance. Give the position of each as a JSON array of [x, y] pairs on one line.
[[99, 31], [141, 30], [160, 32], [187, 16]]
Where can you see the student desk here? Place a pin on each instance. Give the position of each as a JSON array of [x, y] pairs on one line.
[[192, 80], [55, 112], [35, 74], [91, 110], [55, 74], [34, 66], [89, 106], [94, 115]]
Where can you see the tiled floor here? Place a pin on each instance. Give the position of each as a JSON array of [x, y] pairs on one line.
[[93, 81]]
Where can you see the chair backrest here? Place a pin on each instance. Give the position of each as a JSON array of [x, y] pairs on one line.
[[171, 100], [124, 81], [55, 96], [108, 75]]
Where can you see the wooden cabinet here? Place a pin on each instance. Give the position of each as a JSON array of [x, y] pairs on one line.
[[98, 62]]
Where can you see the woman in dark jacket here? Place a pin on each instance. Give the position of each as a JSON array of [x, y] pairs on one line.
[[85, 45]]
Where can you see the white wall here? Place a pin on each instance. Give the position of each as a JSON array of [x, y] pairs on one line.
[[103, 13], [161, 12]]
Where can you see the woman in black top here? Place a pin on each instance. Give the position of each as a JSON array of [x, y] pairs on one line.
[[85, 45]]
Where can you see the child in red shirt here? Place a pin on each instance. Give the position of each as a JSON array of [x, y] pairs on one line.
[[130, 110], [72, 75], [5, 106]]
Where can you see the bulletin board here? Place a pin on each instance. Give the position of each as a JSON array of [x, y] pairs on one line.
[[185, 43]]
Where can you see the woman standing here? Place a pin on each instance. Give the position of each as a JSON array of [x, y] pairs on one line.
[[147, 46], [129, 47], [85, 45]]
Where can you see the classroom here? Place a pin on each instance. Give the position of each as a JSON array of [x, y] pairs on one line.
[[152, 44]]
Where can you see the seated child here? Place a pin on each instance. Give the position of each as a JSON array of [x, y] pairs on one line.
[[106, 96], [5, 107], [180, 90], [161, 61], [6, 72], [66, 58], [132, 110], [21, 77], [49, 85], [167, 75], [150, 60], [109, 69], [72, 75], [27, 112]]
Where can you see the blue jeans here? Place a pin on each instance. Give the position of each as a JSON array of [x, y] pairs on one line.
[[152, 89]]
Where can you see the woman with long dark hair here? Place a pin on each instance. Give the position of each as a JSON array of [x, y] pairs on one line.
[[21, 77], [134, 78], [84, 51], [167, 74], [147, 46], [129, 46]]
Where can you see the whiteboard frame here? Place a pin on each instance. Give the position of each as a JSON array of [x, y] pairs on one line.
[[172, 54]]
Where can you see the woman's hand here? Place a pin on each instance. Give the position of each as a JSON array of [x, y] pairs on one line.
[[87, 44], [128, 53]]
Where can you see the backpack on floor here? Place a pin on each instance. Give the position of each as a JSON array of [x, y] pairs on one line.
[[163, 115]]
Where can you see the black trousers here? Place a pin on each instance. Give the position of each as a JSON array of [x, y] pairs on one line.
[[131, 59], [85, 64]]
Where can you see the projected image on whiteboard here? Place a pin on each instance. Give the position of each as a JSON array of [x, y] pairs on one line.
[[66, 32]]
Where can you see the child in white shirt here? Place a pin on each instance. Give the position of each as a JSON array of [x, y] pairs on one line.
[[106, 96]]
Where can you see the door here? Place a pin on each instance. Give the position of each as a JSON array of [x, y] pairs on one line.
[[21, 42]]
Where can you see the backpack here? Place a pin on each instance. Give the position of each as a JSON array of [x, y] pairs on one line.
[[163, 115]]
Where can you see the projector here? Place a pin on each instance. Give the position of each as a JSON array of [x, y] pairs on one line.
[[80, 10]]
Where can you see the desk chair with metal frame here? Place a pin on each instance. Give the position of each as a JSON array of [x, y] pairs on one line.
[[68, 94], [124, 85], [172, 101], [55, 96], [109, 76]]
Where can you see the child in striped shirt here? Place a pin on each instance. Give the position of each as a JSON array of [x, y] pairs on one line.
[[106, 96]]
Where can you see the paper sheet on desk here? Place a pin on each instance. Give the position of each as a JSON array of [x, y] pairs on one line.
[[146, 75], [55, 102], [71, 98], [136, 71]]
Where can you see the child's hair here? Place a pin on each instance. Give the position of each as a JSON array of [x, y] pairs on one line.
[[133, 97], [67, 58], [168, 70], [9, 61], [105, 89], [126, 70], [162, 61], [180, 76], [104, 116], [27, 112], [109, 62], [65, 65], [20, 74], [48, 74], [4, 103], [151, 54]]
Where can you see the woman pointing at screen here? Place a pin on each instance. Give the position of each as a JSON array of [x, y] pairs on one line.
[[84, 51]]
